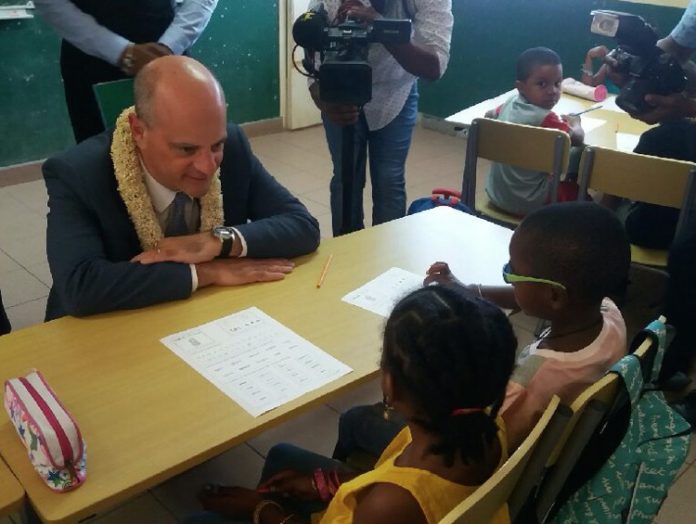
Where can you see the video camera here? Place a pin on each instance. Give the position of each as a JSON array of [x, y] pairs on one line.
[[344, 75], [649, 69]]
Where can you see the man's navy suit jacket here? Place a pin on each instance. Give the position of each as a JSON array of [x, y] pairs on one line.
[[91, 239]]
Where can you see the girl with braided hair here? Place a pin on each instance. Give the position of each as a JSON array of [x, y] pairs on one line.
[[446, 360]]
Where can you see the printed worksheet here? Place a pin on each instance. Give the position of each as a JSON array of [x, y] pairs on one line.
[[255, 360], [381, 294]]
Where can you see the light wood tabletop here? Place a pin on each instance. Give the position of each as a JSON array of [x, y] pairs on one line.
[[610, 126], [147, 416], [11, 492]]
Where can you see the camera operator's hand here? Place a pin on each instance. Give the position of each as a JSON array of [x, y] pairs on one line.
[[339, 114], [619, 79], [668, 107], [599, 51], [357, 11]]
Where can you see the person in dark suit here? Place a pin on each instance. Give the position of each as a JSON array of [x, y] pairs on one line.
[[139, 215]]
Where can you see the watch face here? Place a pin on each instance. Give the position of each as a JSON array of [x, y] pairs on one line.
[[225, 233]]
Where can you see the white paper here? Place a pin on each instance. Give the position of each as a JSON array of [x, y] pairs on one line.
[[381, 294], [589, 124], [626, 141], [255, 360]]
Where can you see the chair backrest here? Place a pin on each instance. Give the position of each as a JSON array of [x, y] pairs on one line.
[[528, 147], [643, 178], [493, 494], [112, 98], [589, 409]]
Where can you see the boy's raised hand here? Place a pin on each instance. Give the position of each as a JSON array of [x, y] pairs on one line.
[[577, 134], [440, 273]]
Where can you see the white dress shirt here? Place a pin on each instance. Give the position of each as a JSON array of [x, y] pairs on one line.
[[162, 198], [85, 33], [432, 22]]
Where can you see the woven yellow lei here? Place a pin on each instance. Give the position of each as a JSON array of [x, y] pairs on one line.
[[131, 186]]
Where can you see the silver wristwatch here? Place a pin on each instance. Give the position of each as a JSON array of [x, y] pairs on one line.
[[226, 236]]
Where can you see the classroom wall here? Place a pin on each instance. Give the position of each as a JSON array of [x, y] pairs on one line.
[[240, 45], [489, 35]]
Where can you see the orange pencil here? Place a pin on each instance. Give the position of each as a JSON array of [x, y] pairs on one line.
[[324, 271]]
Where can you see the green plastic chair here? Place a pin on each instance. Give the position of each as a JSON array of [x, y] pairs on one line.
[[112, 98]]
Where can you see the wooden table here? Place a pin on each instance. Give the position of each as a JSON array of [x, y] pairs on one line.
[[147, 416], [609, 126], [11, 493]]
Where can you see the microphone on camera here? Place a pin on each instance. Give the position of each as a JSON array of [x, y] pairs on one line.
[[308, 29]]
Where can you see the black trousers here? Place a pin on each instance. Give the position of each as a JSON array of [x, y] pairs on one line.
[[680, 303], [80, 72], [649, 225]]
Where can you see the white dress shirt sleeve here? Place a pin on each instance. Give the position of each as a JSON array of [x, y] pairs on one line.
[[685, 31], [189, 22], [85, 33], [82, 30], [194, 278], [432, 26]]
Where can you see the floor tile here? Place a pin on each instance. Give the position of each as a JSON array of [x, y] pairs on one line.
[[27, 314], [315, 430], [679, 506], [32, 194], [19, 287], [144, 508], [240, 466], [7, 264], [41, 271], [27, 251]]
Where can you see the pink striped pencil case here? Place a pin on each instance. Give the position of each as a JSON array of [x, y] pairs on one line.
[[53, 440]]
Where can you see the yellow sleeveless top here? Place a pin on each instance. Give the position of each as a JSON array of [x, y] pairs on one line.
[[435, 495]]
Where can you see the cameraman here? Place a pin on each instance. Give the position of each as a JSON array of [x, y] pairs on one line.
[[676, 138], [386, 122]]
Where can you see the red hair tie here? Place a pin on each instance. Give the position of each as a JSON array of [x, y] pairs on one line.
[[465, 411]]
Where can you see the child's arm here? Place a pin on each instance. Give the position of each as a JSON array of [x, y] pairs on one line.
[[577, 134], [501, 296], [493, 113]]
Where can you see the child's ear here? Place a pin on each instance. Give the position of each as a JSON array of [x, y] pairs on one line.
[[518, 84], [558, 297]]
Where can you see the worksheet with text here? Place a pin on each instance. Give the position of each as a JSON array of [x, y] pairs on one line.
[[255, 360]]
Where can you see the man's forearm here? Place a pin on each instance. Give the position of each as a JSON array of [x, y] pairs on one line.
[[417, 59]]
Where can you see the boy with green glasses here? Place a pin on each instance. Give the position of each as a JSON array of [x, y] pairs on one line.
[[567, 262]]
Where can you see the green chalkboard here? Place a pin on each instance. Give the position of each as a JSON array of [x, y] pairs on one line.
[[240, 45], [489, 35]]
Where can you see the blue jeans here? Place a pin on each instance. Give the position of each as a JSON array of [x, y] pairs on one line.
[[364, 428], [386, 149], [280, 458]]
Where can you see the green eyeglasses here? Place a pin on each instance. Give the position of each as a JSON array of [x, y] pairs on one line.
[[510, 278]]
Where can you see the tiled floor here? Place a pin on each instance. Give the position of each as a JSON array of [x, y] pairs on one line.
[[301, 161]]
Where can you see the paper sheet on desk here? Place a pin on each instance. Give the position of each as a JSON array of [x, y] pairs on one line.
[[381, 294], [255, 360], [589, 124], [626, 142]]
